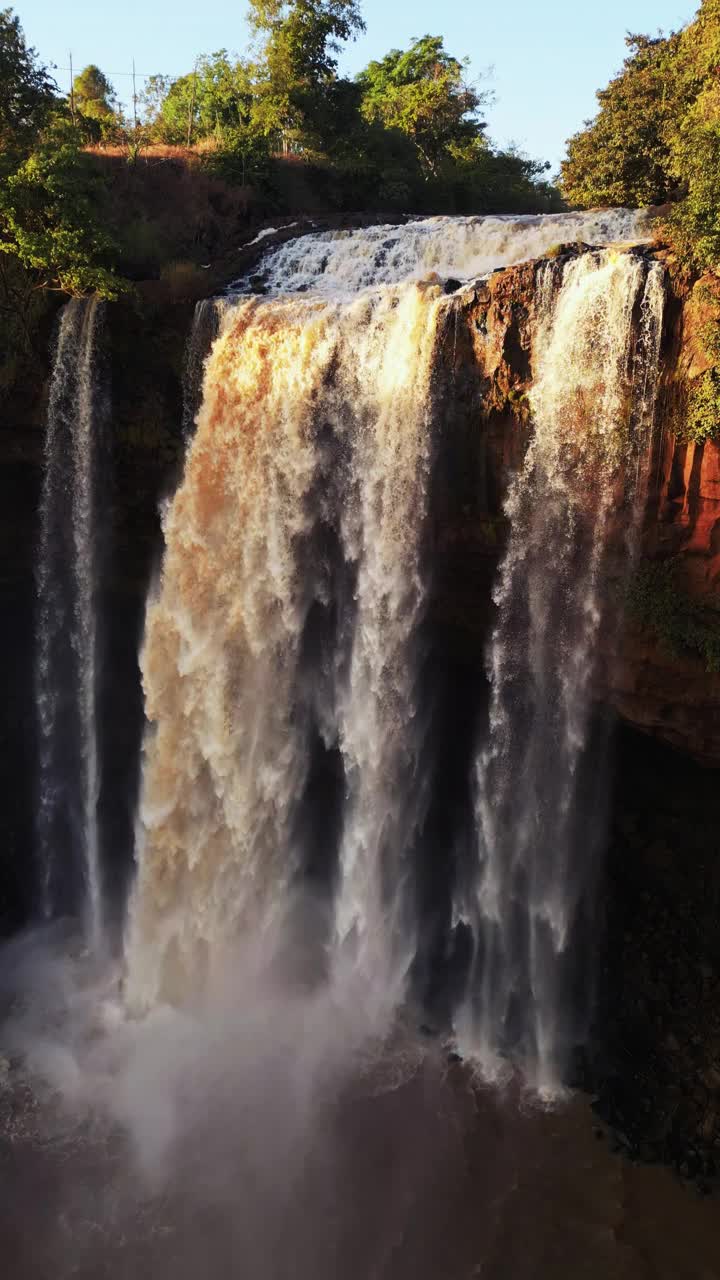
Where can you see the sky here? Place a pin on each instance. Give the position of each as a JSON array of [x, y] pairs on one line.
[[543, 62]]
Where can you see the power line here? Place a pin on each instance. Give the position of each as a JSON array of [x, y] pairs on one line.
[[144, 75]]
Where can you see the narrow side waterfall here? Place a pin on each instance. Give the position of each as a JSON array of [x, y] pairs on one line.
[[66, 659], [574, 509], [286, 616], [203, 332]]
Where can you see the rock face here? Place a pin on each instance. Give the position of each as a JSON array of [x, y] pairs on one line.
[[668, 693], [657, 1064]]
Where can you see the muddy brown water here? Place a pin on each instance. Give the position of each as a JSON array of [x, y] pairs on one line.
[[423, 1178]]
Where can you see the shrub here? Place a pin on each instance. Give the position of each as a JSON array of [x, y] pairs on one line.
[[702, 413], [656, 601]]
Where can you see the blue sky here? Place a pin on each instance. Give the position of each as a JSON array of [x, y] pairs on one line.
[[544, 60]]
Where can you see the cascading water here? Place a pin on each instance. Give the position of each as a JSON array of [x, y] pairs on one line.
[[66, 663], [314, 429], [592, 405], [285, 629], [203, 332], [453, 248]]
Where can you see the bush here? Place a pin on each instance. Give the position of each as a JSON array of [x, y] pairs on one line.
[[656, 601], [702, 413]]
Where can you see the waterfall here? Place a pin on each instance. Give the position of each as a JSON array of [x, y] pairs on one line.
[[203, 332], [559, 591], [66, 660], [304, 488], [342, 262], [287, 755]]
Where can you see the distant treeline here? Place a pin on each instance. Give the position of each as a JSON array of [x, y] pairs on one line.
[[84, 209]]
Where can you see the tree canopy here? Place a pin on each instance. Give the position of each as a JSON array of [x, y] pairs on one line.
[[214, 99], [656, 137], [306, 34], [299, 43], [28, 94], [51, 222], [52, 235], [624, 156], [422, 91], [93, 94]]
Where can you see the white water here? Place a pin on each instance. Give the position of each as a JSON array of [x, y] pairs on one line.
[[67, 624], [387, 363], [315, 417], [343, 262], [304, 504], [592, 404]]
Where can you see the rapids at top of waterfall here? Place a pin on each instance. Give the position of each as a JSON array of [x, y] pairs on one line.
[[342, 263]]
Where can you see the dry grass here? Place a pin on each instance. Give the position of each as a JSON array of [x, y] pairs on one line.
[[157, 151]]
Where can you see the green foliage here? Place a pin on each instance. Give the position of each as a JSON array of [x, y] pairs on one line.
[[94, 95], [214, 100], [300, 42], [242, 160], [694, 225], [51, 221], [701, 418], [656, 137], [28, 95], [422, 93], [624, 156], [307, 34], [406, 134], [657, 602], [22, 307]]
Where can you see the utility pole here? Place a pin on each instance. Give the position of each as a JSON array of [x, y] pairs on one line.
[[72, 90], [191, 112], [134, 100]]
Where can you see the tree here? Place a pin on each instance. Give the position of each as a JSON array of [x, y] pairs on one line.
[[422, 92], [624, 155], [94, 95], [215, 99], [311, 32], [52, 221], [656, 137], [300, 42], [151, 99], [28, 95]]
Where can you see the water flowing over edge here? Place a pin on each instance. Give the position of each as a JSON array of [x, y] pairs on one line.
[[560, 586], [293, 539], [458, 249], [66, 660], [286, 630]]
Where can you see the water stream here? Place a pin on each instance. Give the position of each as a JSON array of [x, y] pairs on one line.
[[66, 663]]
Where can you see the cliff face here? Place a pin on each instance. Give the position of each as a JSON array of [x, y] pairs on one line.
[[673, 695], [663, 688], [668, 693]]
